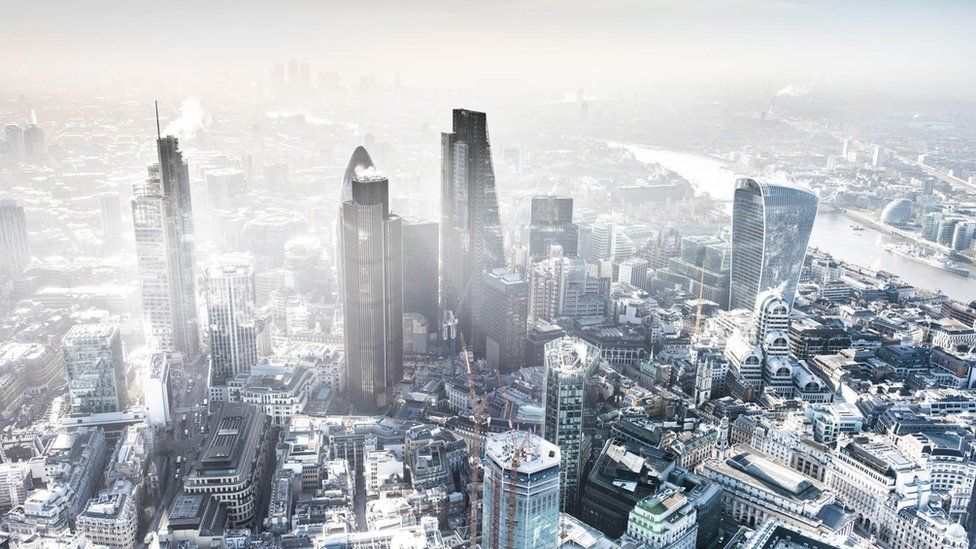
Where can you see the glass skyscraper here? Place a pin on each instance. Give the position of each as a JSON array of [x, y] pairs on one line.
[[771, 227], [372, 249], [552, 222], [231, 320], [162, 217], [521, 491], [568, 362], [471, 235]]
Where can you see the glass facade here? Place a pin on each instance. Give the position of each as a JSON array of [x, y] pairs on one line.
[[771, 227], [568, 362]]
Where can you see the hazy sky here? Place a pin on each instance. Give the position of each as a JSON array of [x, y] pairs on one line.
[[921, 46]]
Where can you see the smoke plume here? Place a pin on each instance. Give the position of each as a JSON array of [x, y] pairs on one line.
[[193, 118]]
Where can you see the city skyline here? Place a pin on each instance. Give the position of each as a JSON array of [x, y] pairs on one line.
[[522, 274]]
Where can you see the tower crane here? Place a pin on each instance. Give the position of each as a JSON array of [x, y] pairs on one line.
[[449, 327]]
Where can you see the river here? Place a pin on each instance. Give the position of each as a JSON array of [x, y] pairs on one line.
[[831, 231]]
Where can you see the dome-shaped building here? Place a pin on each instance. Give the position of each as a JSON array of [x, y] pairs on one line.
[[897, 212]]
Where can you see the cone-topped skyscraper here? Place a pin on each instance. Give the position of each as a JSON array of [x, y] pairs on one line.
[[471, 235], [372, 292], [162, 216]]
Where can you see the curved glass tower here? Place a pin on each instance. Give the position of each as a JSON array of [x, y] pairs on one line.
[[771, 227]]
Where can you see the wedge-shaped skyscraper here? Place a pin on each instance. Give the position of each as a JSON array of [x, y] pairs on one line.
[[471, 235], [771, 226]]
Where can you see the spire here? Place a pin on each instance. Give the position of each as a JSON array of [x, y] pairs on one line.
[[159, 134]]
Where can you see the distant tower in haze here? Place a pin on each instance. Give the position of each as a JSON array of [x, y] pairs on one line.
[[110, 207], [371, 243], [552, 222], [568, 362], [360, 160], [231, 321], [527, 465], [471, 235], [162, 218], [14, 254], [771, 226]]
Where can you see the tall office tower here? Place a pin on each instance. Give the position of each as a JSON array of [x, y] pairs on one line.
[[14, 254], [420, 249], [35, 148], [162, 216], [608, 241], [568, 362], [95, 366], [110, 207], [372, 261], [771, 227], [556, 286], [231, 319], [525, 467], [601, 240], [471, 235], [552, 222], [505, 317], [15, 147]]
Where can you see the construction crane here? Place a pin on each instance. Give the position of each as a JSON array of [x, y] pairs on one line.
[[701, 294], [512, 502], [512, 521], [449, 327], [477, 415]]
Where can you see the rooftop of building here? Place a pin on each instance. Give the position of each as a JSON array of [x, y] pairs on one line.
[[100, 330], [532, 453]]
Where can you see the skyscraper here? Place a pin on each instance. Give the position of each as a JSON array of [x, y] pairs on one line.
[[568, 362], [110, 208], [231, 320], [95, 368], [420, 249], [505, 317], [771, 227], [558, 288], [360, 160], [528, 466], [552, 222], [162, 217], [371, 267], [14, 254], [471, 236]]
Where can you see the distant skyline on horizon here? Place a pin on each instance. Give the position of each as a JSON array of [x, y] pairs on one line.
[[528, 44]]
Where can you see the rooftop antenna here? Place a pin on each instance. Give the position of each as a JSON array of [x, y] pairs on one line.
[[158, 133]]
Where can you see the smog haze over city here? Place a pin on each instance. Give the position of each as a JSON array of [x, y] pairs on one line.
[[506, 274]]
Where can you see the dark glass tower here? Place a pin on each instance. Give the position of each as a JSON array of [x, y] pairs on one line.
[[552, 222], [771, 227], [471, 235], [372, 293], [162, 216], [505, 317], [420, 249]]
